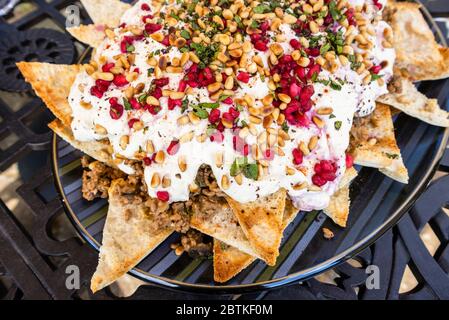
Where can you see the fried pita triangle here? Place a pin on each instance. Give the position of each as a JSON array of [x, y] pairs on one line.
[[216, 219], [373, 143], [261, 221], [105, 12], [128, 236], [91, 34], [52, 83], [417, 53], [95, 149], [408, 99], [396, 170], [230, 261], [338, 208]]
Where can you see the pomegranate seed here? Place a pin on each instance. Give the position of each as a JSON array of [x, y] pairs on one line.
[[243, 77], [152, 27], [162, 82], [294, 90], [166, 41], [153, 109], [376, 69], [145, 7], [96, 92], [116, 111], [147, 161], [228, 100], [157, 93], [228, 117], [102, 85], [173, 148], [107, 67], [297, 156], [135, 104], [269, 154], [261, 46], [264, 26], [314, 71], [149, 16], [113, 101], [318, 181], [120, 80], [131, 122], [174, 103], [214, 116], [163, 196], [295, 44]]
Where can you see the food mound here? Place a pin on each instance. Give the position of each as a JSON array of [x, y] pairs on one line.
[[225, 118]]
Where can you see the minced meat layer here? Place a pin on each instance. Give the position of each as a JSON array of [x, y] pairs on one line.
[[97, 178]]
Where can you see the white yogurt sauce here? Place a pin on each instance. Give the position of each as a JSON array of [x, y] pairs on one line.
[[162, 128]]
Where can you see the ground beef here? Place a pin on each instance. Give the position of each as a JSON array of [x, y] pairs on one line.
[[195, 244], [97, 178]]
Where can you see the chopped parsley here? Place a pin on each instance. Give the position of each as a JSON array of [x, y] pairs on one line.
[[241, 165], [337, 125], [206, 53], [126, 104]]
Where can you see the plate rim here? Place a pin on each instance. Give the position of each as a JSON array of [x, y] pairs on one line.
[[290, 279]]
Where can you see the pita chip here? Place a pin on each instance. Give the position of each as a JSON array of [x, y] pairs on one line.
[[91, 34], [52, 83], [217, 220], [373, 142], [261, 221], [338, 208], [418, 55], [105, 12], [129, 235], [95, 149], [230, 261], [405, 97]]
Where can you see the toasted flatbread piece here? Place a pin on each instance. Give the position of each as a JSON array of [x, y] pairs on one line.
[[52, 83], [373, 143], [230, 261], [128, 236], [94, 149], [91, 34], [396, 170], [338, 209], [261, 221], [418, 54], [217, 220], [412, 102], [105, 12]]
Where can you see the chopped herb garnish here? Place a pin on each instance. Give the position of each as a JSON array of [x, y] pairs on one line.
[[185, 34], [392, 155], [130, 48], [241, 165], [337, 125], [261, 8], [206, 53], [126, 104]]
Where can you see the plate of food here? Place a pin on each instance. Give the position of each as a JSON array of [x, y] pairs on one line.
[[234, 146]]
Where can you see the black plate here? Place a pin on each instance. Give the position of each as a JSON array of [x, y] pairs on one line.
[[377, 204]]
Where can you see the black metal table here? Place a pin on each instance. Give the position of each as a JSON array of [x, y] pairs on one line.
[[38, 245]]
